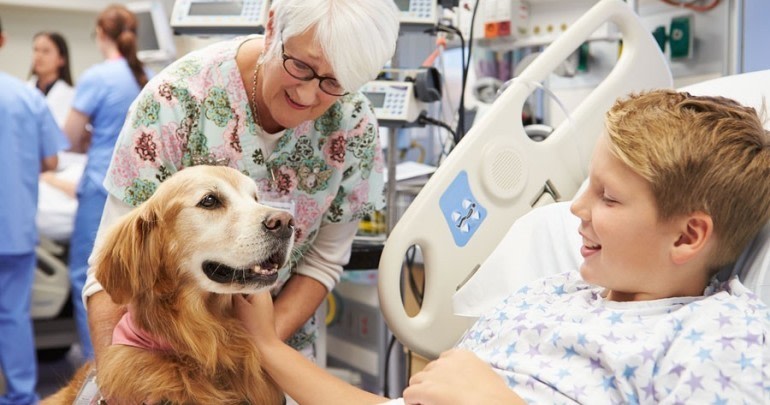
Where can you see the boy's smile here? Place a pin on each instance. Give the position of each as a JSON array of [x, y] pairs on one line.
[[588, 248], [626, 249]]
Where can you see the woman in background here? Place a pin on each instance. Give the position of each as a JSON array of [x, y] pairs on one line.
[[50, 73], [102, 98]]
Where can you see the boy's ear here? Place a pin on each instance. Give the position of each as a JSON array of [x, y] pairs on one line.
[[695, 234]]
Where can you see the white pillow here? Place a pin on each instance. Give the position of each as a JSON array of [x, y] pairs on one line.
[[753, 266]]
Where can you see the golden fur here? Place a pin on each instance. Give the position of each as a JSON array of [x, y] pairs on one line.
[[152, 260]]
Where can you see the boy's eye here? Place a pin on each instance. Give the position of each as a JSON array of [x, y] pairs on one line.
[[607, 199]]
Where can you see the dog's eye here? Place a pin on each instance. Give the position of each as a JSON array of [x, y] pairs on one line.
[[256, 198], [210, 202]]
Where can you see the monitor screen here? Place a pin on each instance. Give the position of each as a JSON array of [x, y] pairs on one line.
[[155, 40], [146, 37], [205, 8], [377, 99], [403, 5]]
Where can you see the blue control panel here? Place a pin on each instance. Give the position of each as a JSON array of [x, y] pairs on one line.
[[462, 212]]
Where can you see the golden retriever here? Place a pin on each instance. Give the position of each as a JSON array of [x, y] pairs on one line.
[[175, 262]]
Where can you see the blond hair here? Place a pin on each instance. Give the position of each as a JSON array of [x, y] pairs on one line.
[[707, 154]]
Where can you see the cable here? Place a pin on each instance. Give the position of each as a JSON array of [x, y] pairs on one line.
[[410, 255], [417, 290], [423, 119], [385, 377], [408, 364], [692, 6], [464, 63], [461, 119], [446, 145]]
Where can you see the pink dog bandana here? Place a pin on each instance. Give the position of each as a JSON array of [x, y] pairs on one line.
[[127, 333]]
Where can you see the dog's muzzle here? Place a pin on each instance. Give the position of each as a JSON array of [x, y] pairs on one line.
[[262, 273], [279, 225]]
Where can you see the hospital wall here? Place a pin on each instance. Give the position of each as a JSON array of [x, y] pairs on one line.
[[727, 40], [20, 24], [76, 22]]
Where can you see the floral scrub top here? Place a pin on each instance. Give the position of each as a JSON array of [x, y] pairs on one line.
[[196, 111]]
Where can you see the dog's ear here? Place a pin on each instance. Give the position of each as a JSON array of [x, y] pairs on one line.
[[131, 254]]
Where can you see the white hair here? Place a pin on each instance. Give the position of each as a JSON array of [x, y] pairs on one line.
[[357, 37]]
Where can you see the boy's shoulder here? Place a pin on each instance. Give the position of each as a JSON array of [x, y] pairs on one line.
[[728, 311], [732, 298]]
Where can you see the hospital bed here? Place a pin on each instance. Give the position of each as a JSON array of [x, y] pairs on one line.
[[55, 330], [497, 174]]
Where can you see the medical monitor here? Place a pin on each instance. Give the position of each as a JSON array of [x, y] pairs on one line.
[[219, 17], [417, 14], [155, 40]]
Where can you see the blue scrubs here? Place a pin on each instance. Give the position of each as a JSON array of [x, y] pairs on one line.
[[28, 133], [104, 93]]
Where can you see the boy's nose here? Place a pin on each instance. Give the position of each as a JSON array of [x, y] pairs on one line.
[[578, 206]]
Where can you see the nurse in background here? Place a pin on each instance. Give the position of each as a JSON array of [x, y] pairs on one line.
[[102, 98], [50, 73], [29, 140]]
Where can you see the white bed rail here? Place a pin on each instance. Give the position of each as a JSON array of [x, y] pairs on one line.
[[497, 173]]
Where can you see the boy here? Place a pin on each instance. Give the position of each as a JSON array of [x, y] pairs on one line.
[[678, 187]]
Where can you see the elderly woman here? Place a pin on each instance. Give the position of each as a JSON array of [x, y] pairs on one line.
[[284, 109]]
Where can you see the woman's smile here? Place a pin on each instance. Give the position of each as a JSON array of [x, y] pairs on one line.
[[293, 104]]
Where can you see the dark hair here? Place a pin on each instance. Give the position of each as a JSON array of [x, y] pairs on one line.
[[61, 45], [120, 24]]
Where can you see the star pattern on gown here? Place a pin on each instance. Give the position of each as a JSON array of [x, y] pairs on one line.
[[560, 341]]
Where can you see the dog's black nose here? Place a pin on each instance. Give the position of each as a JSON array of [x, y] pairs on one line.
[[280, 223]]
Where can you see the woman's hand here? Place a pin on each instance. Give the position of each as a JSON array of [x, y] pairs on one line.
[[256, 313], [458, 377]]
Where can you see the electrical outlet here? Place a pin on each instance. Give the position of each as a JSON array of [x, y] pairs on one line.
[[659, 33], [680, 37]]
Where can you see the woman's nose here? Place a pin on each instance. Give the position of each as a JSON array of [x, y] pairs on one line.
[[307, 92]]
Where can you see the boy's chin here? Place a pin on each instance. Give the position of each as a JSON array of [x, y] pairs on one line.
[[589, 275]]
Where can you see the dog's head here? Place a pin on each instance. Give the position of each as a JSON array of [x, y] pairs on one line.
[[205, 226]]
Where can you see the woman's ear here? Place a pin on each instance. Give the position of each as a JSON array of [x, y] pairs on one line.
[[269, 29], [694, 237]]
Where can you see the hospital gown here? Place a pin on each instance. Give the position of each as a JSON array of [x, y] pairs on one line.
[[558, 340]]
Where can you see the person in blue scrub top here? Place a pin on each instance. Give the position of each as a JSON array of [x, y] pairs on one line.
[[29, 141], [102, 97]]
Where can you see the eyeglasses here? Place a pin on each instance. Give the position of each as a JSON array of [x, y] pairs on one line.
[[302, 71]]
